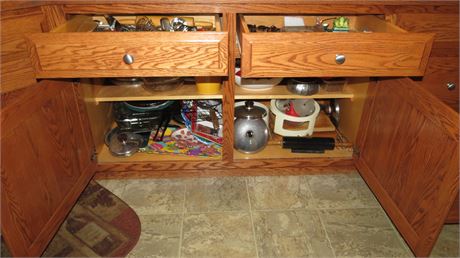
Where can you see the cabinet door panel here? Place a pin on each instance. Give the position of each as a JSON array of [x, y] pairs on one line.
[[408, 154], [46, 163]]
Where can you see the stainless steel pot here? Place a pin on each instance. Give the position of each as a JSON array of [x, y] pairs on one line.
[[303, 86], [251, 131]]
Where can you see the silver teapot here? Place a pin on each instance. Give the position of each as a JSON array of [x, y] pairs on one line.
[[251, 131]]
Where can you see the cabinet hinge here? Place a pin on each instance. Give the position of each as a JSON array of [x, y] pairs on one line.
[[93, 156], [356, 151]]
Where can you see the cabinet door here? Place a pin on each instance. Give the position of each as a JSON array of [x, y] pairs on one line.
[[408, 155], [46, 163]]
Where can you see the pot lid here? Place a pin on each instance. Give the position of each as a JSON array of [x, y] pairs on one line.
[[124, 143], [249, 111]]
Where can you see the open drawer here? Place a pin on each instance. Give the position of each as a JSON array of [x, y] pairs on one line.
[[73, 50], [372, 47]]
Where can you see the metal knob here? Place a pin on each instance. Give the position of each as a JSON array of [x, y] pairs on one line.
[[339, 58], [451, 85], [128, 59]]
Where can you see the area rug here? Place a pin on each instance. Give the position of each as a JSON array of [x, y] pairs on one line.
[[99, 225]]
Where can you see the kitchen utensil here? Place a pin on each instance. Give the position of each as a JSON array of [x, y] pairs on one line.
[[129, 120], [144, 23], [156, 84], [303, 107], [141, 106], [129, 81], [335, 113], [250, 130], [165, 24], [109, 134], [306, 124], [326, 143], [303, 86], [124, 143], [257, 104]]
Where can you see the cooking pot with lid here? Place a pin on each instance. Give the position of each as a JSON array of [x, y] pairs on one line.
[[251, 131]]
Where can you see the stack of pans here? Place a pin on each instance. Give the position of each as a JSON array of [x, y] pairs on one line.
[[135, 121]]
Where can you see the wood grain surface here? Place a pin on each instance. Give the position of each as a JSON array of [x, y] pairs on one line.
[[46, 163], [408, 155], [453, 215], [441, 71], [228, 102], [443, 65], [225, 8], [385, 52], [80, 54], [16, 68], [444, 25], [54, 16], [261, 167]]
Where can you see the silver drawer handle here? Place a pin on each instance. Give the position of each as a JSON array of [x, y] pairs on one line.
[[451, 85], [339, 58], [128, 59]]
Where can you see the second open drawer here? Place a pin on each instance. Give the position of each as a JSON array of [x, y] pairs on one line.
[[372, 47]]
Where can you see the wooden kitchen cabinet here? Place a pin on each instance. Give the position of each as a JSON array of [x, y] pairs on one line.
[[47, 161], [411, 120], [408, 154]]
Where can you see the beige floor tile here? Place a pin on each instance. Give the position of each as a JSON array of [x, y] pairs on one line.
[[216, 194], [290, 234], [362, 232], [226, 234], [448, 242], [340, 191], [160, 236], [115, 186], [275, 193], [149, 196]]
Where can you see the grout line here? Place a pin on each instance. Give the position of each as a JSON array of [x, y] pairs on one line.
[[250, 215], [325, 232], [320, 219], [315, 208], [182, 221]]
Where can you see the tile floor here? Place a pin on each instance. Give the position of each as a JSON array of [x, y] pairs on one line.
[[289, 216]]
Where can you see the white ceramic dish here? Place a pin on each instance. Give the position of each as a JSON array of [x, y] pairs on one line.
[[256, 83]]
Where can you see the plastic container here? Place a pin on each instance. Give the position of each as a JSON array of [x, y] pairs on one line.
[[208, 85], [282, 118], [333, 84]]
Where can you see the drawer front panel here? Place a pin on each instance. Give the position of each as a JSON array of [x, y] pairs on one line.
[[154, 53], [314, 54], [440, 72]]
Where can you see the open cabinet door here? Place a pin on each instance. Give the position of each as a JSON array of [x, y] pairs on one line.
[[46, 162], [408, 155]]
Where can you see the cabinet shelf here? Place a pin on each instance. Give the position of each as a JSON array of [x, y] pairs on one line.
[[107, 93], [104, 156], [273, 150], [281, 92]]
